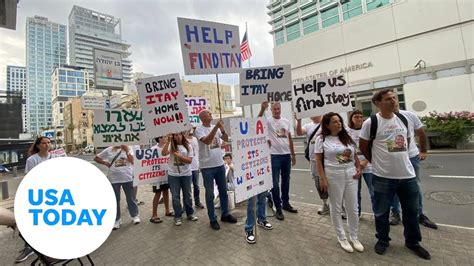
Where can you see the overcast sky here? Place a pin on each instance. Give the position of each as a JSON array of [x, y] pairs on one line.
[[150, 26]]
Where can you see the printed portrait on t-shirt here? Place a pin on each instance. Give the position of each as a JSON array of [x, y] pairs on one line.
[[120, 162], [344, 156], [397, 144], [215, 143]]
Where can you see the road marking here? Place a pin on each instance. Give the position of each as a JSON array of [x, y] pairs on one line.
[[453, 176], [301, 170]]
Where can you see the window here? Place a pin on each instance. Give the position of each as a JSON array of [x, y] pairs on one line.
[[293, 32], [373, 4], [62, 78], [330, 16], [279, 37], [310, 24], [72, 80], [351, 9]]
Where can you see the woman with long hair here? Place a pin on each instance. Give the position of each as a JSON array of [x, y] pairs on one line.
[[179, 175], [339, 171]]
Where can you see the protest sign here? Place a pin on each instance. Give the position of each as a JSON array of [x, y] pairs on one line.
[[195, 106], [58, 153], [119, 126], [163, 105], [256, 84], [150, 167], [209, 47], [253, 169], [93, 102], [108, 69], [317, 97]]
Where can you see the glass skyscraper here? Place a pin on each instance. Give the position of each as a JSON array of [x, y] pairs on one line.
[[16, 83], [45, 50]]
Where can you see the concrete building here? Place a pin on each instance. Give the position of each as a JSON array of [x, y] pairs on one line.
[[90, 29], [11, 123], [45, 50], [78, 130], [422, 49], [16, 82], [209, 91], [68, 82]]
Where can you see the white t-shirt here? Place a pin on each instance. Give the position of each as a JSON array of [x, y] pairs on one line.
[[195, 145], [355, 134], [176, 168], [121, 170], [389, 152], [35, 159], [414, 123], [338, 158], [309, 128], [278, 130], [209, 155]]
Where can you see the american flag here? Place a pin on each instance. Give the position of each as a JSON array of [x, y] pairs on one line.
[[245, 48]]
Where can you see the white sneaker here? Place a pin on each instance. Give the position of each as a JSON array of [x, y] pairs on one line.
[[346, 246], [117, 224], [192, 217], [178, 222], [136, 219], [357, 245]]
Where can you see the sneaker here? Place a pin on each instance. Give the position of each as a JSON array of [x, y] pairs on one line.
[[357, 245], [229, 219], [117, 224], [136, 219], [427, 222], [381, 247], [178, 222], [279, 215], [395, 219], [265, 225], [324, 210], [346, 246], [24, 254], [192, 217], [419, 251], [199, 206], [215, 225], [250, 237], [287, 207]]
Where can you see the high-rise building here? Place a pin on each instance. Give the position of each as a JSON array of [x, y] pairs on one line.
[[45, 50], [68, 82], [16, 82], [90, 29]]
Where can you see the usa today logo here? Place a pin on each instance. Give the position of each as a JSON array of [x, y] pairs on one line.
[[65, 208]]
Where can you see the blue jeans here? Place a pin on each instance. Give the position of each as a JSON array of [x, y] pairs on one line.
[[132, 205], [281, 164], [370, 187], [261, 200], [415, 161], [208, 176], [408, 192], [195, 177], [178, 183]]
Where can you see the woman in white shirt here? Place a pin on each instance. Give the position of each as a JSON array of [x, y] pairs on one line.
[[179, 175], [339, 172]]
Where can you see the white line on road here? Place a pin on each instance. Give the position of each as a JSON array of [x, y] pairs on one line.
[[300, 170], [453, 176]]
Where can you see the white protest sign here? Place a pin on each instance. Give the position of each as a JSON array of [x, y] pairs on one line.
[[318, 97], [257, 83], [150, 167], [119, 126], [209, 47], [163, 105], [195, 106], [58, 153], [93, 102], [108, 69], [253, 169]]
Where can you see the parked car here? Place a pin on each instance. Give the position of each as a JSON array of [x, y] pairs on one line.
[[89, 149]]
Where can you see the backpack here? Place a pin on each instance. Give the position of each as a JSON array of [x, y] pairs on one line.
[[306, 149], [374, 125]]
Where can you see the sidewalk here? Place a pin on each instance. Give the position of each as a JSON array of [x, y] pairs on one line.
[[305, 238]]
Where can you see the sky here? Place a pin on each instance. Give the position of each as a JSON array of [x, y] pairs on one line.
[[150, 26]]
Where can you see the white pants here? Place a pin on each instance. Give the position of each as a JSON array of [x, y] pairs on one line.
[[343, 189]]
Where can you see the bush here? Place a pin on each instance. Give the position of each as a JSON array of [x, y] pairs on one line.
[[454, 126]]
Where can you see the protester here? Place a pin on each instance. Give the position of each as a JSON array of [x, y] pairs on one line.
[[212, 166], [229, 172], [310, 130], [160, 189], [261, 217], [339, 171], [282, 158], [179, 175], [392, 172], [195, 169], [355, 124], [119, 160]]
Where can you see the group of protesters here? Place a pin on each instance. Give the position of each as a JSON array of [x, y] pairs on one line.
[[381, 149]]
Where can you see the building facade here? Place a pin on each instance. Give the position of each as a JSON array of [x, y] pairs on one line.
[[45, 50], [422, 49], [209, 91], [10, 107], [68, 82], [78, 130], [16, 82], [90, 29]]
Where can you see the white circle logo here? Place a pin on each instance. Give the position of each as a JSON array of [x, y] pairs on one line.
[[65, 208]]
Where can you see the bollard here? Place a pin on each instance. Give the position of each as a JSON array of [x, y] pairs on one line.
[[15, 171], [5, 194]]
